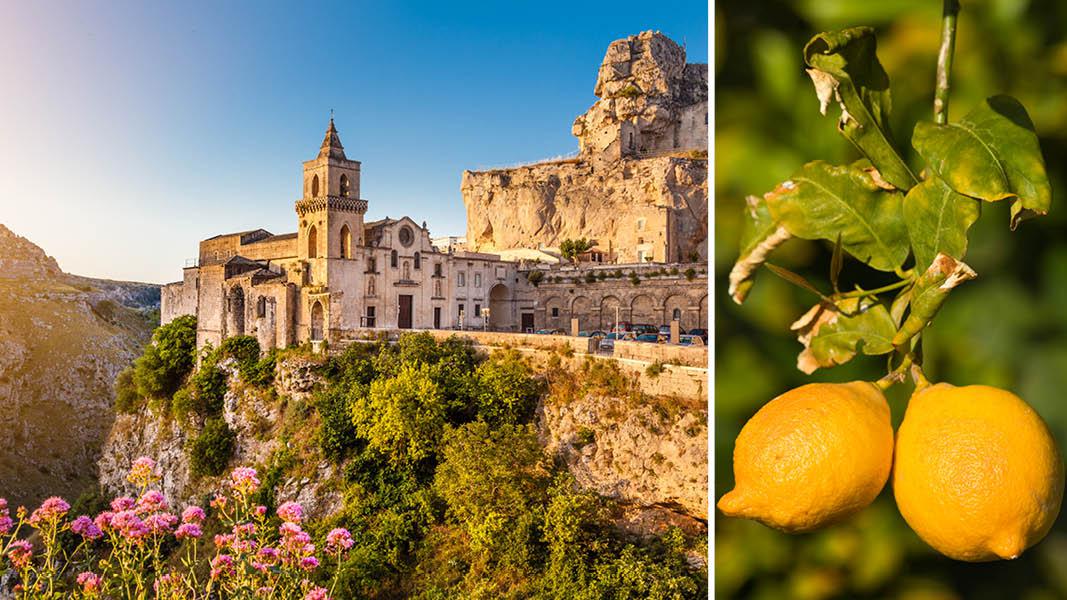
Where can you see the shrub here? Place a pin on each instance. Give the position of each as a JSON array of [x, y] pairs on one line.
[[631, 91], [535, 277], [674, 270], [590, 277], [634, 279], [690, 274], [337, 433], [584, 436], [402, 417], [210, 451], [159, 371], [654, 369], [245, 350], [209, 389], [127, 400], [506, 388]]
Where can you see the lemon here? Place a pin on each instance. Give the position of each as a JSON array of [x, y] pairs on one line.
[[812, 457], [977, 474]]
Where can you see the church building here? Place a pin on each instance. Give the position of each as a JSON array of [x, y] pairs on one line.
[[338, 275]]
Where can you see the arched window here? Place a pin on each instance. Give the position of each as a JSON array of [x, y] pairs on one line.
[[418, 261], [344, 185], [313, 242], [346, 241], [392, 259], [315, 186], [370, 286], [676, 315], [318, 321]]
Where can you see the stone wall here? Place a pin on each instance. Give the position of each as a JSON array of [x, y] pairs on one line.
[[663, 353]]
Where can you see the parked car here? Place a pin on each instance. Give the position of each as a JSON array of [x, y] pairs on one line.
[[608, 343], [690, 340], [622, 327], [591, 334], [642, 328], [666, 330], [551, 332], [648, 337], [702, 333]]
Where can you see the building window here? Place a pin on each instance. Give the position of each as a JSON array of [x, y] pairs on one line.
[[555, 311], [370, 320], [406, 236], [460, 313], [640, 224], [437, 269], [477, 280], [370, 286], [344, 185], [418, 260], [261, 307], [372, 265], [461, 279], [313, 242], [437, 288], [477, 310], [346, 241], [407, 270], [315, 186], [676, 315], [393, 259]]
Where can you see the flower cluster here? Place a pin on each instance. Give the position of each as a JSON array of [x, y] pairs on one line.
[[121, 552]]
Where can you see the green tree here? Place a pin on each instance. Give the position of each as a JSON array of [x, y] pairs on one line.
[[506, 388], [402, 416], [571, 249], [210, 452], [159, 371]]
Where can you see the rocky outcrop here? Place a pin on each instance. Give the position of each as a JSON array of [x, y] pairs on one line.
[[639, 186], [63, 341], [651, 457]]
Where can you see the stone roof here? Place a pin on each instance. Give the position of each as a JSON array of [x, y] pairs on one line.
[[331, 144], [243, 234]]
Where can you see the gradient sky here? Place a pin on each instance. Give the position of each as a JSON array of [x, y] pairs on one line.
[[129, 131]]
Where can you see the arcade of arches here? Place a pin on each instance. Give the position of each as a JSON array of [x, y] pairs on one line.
[[599, 306]]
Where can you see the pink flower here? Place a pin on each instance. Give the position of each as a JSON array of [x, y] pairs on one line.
[[188, 530], [160, 523], [221, 565], [291, 512], [6, 522], [193, 514], [244, 529], [261, 511], [20, 552], [309, 563], [143, 473], [51, 511], [319, 593], [85, 527], [223, 540], [243, 480], [103, 520], [338, 540], [90, 583], [123, 503], [129, 525], [169, 585], [151, 501], [218, 502], [268, 555]]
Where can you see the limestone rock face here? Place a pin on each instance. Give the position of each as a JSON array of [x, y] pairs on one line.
[[542, 205], [638, 187], [63, 341], [642, 457]]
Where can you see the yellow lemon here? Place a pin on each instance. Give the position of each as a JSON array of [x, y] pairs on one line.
[[812, 456], [977, 473]]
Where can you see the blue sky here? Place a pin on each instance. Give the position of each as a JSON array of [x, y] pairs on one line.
[[131, 130]]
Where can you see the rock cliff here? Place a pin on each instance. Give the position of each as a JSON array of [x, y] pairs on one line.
[[63, 340], [639, 186]]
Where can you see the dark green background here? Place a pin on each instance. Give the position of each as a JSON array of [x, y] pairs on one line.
[[1008, 328]]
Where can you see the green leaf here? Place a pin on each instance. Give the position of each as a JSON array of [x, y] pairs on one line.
[[822, 202], [930, 292], [834, 335], [938, 219], [760, 234], [992, 153], [845, 68], [837, 261], [796, 280]]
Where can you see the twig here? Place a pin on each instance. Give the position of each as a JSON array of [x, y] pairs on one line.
[[944, 59]]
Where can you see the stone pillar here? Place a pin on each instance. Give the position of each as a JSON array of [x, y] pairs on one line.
[[574, 327], [675, 331]]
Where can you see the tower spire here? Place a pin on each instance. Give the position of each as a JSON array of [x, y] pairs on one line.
[[331, 144]]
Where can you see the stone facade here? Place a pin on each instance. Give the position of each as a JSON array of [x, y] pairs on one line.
[[337, 275], [639, 185]]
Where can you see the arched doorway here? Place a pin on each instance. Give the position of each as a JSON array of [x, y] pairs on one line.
[[317, 321], [580, 309], [499, 308], [643, 310], [676, 306], [610, 312], [236, 309]]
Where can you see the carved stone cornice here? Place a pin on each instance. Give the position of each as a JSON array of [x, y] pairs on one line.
[[336, 203]]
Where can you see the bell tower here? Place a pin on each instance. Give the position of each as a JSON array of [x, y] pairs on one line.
[[330, 214]]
